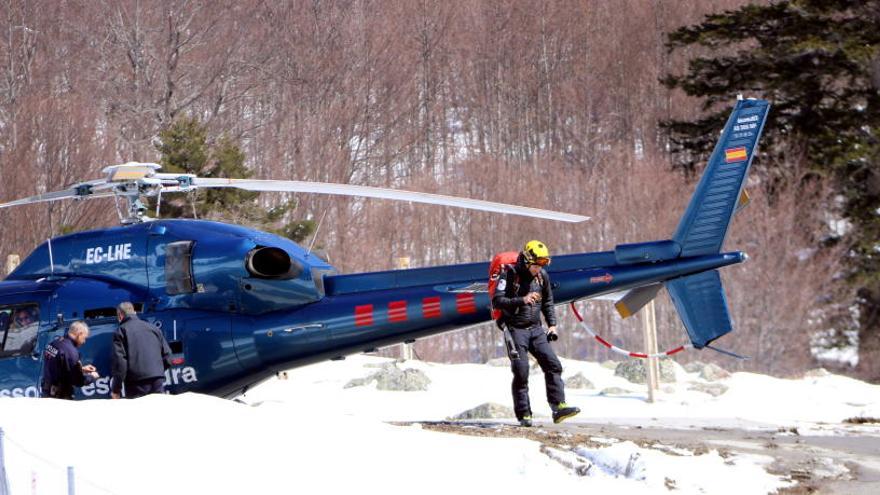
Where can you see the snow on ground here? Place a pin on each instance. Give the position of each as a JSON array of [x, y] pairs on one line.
[[753, 400], [310, 433]]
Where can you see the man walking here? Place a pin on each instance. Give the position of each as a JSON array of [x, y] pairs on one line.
[[140, 356], [523, 294], [62, 369]]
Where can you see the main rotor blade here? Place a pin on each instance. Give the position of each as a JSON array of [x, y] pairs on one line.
[[383, 193], [40, 198], [74, 192]]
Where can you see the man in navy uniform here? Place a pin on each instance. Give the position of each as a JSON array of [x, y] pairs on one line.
[[140, 356], [524, 294], [62, 369]]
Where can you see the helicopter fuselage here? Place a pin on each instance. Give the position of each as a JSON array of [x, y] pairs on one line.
[[238, 305]]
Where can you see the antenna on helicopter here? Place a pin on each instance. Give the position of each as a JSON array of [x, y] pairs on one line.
[[134, 180], [315, 236], [51, 259]]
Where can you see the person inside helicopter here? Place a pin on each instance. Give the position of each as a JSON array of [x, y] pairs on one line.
[[21, 334], [24, 316]]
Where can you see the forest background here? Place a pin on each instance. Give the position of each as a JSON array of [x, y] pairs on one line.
[[567, 105]]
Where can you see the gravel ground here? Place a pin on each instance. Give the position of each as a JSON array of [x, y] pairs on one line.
[[847, 461]]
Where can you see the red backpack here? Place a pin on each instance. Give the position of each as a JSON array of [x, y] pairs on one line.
[[500, 263]]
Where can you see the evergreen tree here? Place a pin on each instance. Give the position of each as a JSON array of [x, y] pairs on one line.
[[818, 62], [185, 148]]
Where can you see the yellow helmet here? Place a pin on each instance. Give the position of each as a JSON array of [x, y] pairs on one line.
[[536, 253]]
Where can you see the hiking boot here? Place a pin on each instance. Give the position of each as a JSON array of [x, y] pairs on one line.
[[563, 411], [525, 421]]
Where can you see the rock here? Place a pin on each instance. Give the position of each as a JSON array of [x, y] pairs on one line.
[[713, 389], [579, 381], [610, 364], [614, 391], [501, 362], [667, 371], [817, 373], [489, 410], [379, 365], [359, 382], [393, 378], [712, 372], [694, 367], [635, 371], [409, 380]]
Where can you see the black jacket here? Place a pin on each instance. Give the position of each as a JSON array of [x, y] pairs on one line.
[[518, 282], [140, 352], [62, 370]]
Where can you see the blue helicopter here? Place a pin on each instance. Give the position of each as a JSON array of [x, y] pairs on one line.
[[238, 305]]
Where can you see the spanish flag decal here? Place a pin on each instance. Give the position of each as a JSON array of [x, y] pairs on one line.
[[735, 154]]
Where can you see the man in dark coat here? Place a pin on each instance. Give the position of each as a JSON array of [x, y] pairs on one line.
[[140, 356], [62, 369], [523, 295]]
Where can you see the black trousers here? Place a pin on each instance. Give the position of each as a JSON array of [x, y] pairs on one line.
[[534, 340], [140, 388]]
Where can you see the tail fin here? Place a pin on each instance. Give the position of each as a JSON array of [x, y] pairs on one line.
[[705, 222], [700, 298]]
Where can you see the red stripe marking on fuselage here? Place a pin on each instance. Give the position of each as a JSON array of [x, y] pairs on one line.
[[363, 315], [464, 303], [431, 307], [397, 311]]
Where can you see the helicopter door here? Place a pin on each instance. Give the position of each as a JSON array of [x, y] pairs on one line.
[[20, 344], [209, 355]]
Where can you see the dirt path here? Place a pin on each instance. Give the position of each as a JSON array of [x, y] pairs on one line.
[[815, 462]]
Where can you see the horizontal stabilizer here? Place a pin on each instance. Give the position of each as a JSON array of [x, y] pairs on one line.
[[702, 306], [744, 200], [636, 299]]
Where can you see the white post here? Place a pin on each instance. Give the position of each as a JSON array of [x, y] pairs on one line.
[[4, 483], [71, 481], [654, 346], [406, 353], [650, 326]]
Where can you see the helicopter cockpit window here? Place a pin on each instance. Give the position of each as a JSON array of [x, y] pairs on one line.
[[18, 329], [178, 268], [100, 313]]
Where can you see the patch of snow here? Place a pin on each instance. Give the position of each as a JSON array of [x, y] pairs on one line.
[[637, 469], [836, 346], [805, 253], [846, 355], [604, 440], [310, 432]]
